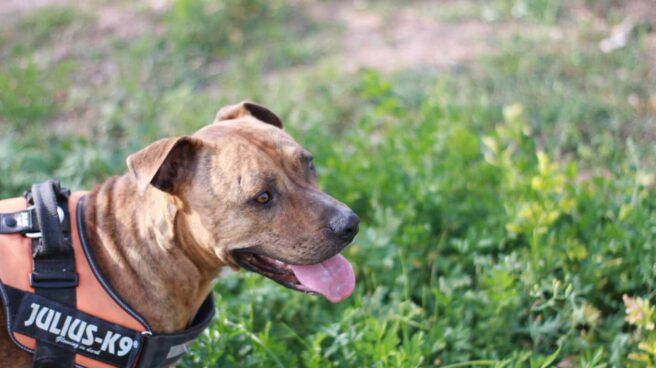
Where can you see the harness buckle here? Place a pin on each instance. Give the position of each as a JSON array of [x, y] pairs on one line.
[[29, 216], [61, 280]]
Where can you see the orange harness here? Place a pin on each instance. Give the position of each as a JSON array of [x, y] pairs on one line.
[[97, 305]]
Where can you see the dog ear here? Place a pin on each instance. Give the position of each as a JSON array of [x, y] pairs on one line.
[[248, 108], [164, 163]]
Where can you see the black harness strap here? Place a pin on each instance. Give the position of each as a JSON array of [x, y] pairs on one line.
[[23, 222], [53, 273]]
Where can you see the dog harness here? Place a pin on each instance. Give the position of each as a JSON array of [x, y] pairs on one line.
[[57, 304]]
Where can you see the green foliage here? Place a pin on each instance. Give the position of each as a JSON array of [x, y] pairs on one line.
[[506, 210], [574, 90]]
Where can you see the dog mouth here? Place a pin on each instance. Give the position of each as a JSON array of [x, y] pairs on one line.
[[332, 278]]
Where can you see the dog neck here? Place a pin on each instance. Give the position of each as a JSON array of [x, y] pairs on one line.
[[148, 252]]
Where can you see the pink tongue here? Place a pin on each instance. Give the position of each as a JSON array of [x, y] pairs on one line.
[[332, 278]]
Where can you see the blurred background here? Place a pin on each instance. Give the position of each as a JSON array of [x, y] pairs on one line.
[[500, 154]]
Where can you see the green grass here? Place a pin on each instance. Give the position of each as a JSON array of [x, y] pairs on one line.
[[47, 22], [547, 11], [507, 206]]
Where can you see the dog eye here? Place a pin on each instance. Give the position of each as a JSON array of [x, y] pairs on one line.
[[263, 198], [310, 164]]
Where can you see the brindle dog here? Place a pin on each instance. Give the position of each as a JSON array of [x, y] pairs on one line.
[[238, 193]]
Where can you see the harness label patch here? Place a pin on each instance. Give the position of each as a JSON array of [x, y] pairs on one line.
[[76, 331]]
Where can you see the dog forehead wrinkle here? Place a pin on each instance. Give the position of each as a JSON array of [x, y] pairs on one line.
[[262, 180], [240, 141], [253, 163]]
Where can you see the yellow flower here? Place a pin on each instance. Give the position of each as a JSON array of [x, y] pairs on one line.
[[537, 184]]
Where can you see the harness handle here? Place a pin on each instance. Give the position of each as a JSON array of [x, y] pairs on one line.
[[52, 241], [53, 263]]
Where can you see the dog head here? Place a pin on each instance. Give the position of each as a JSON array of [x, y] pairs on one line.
[[248, 192]]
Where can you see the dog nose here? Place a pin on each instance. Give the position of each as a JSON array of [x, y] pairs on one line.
[[345, 226]]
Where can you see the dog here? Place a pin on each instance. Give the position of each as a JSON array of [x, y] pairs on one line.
[[238, 193]]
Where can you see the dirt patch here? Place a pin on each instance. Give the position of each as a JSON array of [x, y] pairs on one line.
[[409, 41], [639, 10], [409, 38], [650, 46], [122, 22], [11, 8]]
